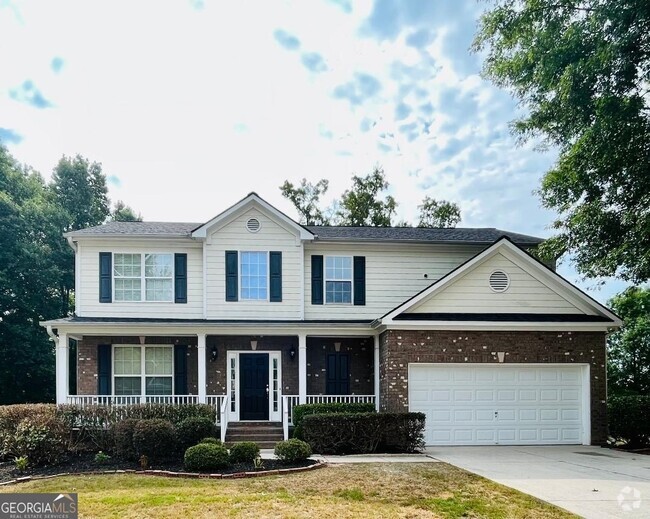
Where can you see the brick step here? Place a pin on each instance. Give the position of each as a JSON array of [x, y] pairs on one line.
[[255, 430], [271, 435]]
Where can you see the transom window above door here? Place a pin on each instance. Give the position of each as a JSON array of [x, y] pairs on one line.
[[254, 276], [143, 277], [338, 279]]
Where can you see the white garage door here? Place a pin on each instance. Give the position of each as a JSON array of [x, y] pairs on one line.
[[500, 404]]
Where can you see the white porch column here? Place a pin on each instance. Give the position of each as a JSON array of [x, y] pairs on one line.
[[201, 367], [376, 372], [302, 369], [62, 369]]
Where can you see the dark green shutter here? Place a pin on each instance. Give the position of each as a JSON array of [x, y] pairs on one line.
[[180, 278], [231, 275], [180, 369], [317, 280], [275, 276], [104, 369], [105, 277], [359, 280]]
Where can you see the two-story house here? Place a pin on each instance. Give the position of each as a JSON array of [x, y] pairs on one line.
[[254, 313]]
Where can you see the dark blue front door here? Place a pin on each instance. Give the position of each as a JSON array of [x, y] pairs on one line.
[[254, 386]]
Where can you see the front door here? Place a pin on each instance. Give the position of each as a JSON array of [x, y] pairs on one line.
[[254, 386]]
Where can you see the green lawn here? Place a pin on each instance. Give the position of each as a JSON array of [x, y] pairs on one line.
[[339, 491]]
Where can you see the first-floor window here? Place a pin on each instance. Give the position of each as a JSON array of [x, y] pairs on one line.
[[338, 279], [155, 379]]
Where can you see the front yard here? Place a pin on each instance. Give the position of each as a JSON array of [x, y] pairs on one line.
[[365, 490]]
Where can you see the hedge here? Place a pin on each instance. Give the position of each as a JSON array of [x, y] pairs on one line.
[[192, 430], [206, 457], [302, 410], [292, 451], [629, 420], [364, 433]]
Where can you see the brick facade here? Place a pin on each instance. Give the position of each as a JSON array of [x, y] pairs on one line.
[[398, 348], [361, 351]]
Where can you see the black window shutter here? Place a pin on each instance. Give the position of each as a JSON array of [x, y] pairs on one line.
[[275, 276], [338, 374], [231, 275], [180, 278], [180, 369], [317, 280], [104, 369], [105, 277], [359, 280]]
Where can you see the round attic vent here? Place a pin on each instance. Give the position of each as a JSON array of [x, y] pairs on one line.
[[499, 281], [253, 225]]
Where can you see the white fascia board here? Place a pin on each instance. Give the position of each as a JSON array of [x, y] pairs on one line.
[[516, 326], [246, 203]]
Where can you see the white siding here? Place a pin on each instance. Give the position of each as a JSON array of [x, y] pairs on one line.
[[271, 237], [88, 281], [472, 293], [394, 273]]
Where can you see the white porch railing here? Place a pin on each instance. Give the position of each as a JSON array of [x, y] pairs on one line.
[[216, 401], [85, 400], [341, 399], [290, 401], [225, 404]]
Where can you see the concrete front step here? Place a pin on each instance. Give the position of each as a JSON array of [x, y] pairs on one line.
[[265, 434]]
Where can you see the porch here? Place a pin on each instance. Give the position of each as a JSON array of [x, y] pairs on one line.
[[244, 377]]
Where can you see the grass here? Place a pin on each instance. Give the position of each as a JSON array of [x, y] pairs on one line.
[[368, 490]]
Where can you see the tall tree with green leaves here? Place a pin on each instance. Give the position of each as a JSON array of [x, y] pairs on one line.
[[305, 198], [582, 71], [628, 349], [438, 213], [364, 204]]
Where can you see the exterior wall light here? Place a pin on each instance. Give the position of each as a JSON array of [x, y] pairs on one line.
[[213, 354], [292, 352]]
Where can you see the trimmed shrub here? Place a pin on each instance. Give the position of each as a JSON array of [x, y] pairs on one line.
[[303, 410], [628, 419], [11, 416], [292, 450], [155, 439], [191, 430], [244, 452], [123, 437], [40, 438], [206, 456], [211, 440], [364, 433]]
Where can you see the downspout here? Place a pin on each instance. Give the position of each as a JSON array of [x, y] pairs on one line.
[[53, 337], [71, 242]]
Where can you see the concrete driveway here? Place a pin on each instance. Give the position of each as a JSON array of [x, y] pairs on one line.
[[589, 481]]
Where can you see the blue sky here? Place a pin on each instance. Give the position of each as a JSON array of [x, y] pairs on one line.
[[191, 105]]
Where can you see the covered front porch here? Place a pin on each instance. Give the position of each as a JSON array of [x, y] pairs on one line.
[[245, 376]]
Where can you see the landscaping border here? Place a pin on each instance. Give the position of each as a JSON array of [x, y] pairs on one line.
[[170, 474]]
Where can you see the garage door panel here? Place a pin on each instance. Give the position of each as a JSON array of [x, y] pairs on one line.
[[502, 404]]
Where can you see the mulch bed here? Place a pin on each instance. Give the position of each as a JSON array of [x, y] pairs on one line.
[[84, 463]]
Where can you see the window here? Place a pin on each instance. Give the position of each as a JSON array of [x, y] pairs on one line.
[[143, 277], [254, 276], [338, 279], [157, 378]]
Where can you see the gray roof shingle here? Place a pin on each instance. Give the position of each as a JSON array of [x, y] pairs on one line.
[[413, 234]]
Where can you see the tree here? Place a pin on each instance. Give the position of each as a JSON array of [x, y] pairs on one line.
[[362, 205], [305, 198], [123, 213], [435, 213], [80, 187], [582, 69], [628, 349]]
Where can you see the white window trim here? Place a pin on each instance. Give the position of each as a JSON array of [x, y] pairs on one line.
[[143, 278], [143, 376], [325, 280], [268, 276]]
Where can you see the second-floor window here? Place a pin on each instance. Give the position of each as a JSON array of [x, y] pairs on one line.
[[338, 279], [254, 276], [143, 277]]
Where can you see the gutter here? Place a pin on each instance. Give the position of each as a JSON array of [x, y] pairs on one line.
[[53, 336], [72, 243]]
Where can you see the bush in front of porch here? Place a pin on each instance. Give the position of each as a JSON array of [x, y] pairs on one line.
[[302, 410]]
